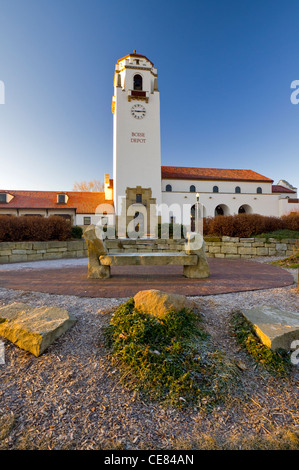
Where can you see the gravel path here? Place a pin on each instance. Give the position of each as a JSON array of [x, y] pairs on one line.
[[71, 396]]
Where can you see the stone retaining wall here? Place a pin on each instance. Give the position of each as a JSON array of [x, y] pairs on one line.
[[216, 247], [139, 245], [14, 252], [233, 247], [224, 247]]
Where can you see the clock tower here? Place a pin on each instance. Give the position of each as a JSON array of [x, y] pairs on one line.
[[136, 133]]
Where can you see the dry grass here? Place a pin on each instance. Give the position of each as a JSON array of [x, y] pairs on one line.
[[281, 439]]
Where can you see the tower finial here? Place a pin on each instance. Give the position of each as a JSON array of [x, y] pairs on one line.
[[134, 51]]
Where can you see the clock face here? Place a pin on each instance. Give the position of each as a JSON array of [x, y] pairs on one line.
[[138, 111]]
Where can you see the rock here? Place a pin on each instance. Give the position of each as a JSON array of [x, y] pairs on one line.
[[33, 329], [196, 245], [96, 248], [276, 328], [158, 303]]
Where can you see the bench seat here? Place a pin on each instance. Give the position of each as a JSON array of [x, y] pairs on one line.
[[148, 259], [193, 259]]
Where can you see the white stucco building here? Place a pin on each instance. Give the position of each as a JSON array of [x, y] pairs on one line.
[[141, 188]]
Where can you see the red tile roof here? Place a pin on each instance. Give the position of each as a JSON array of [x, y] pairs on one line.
[[81, 202], [276, 188], [174, 172]]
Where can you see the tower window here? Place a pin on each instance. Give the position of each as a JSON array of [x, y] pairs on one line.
[[192, 188], [259, 190], [215, 189], [137, 82], [168, 187], [139, 198], [237, 189]]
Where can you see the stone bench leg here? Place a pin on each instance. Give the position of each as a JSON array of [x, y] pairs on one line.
[[98, 271], [201, 270]]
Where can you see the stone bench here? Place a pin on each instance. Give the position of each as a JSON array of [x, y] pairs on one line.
[[100, 261]]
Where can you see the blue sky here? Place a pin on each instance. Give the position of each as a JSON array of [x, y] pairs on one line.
[[225, 70]]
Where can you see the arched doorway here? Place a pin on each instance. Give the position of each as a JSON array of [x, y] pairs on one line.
[[245, 209], [221, 209]]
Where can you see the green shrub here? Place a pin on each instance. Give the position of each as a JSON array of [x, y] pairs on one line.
[[280, 234], [77, 232], [277, 362], [169, 359]]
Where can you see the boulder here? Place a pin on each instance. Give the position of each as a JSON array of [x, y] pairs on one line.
[[196, 245], [276, 328], [96, 248], [33, 329], [158, 303]]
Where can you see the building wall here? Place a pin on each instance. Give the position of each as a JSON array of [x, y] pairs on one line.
[[40, 212], [264, 204], [206, 186], [94, 219], [286, 207]]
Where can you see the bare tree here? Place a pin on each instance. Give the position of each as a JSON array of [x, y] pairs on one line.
[[88, 186]]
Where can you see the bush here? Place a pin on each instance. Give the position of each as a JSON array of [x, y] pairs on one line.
[[247, 225], [291, 221], [77, 232], [32, 228], [171, 360]]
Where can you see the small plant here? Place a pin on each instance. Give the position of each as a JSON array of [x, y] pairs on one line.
[[291, 262], [280, 234], [277, 362], [169, 359]]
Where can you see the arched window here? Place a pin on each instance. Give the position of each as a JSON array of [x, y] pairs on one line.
[[259, 190], [168, 187], [192, 188], [215, 189], [237, 189], [137, 82]]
